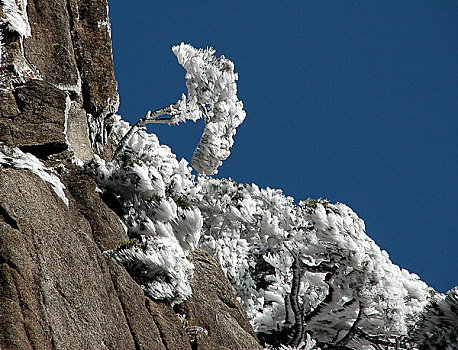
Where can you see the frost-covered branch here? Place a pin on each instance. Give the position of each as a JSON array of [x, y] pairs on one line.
[[212, 94], [298, 312], [324, 303], [149, 118]]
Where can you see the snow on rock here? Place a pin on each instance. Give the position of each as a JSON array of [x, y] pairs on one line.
[[12, 59], [14, 157], [15, 17]]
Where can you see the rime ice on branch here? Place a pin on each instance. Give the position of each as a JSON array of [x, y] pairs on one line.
[[212, 94], [299, 271]]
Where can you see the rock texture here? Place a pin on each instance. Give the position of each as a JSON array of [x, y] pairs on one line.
[[214, 307], [57, 288], [33, 118]]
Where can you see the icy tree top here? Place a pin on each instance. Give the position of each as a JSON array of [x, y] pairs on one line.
[[212, 93]]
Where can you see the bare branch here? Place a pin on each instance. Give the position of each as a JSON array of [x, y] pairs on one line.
[[298, 327], [352, 331]]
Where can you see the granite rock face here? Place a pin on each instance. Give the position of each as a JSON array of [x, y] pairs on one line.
[[57, 288], [69, 47], [214, 307], [33, 118]]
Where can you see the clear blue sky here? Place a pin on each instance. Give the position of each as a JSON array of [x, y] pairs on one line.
[[353, 101]]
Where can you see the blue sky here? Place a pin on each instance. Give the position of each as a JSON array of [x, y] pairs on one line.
[[353, 101]]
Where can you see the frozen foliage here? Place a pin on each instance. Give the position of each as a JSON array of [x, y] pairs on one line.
[[15, 158], [344, 283], [296, 269], [307, 275], [159, 265], [438, 326], [212, 94], [147, 180], [211, 84]]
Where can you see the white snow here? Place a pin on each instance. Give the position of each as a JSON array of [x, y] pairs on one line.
[[68, 104], [17, 159], [256, 235], [212, 91], [15, 17], [248, 229]]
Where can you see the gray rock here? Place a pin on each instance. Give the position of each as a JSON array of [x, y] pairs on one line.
[[214, 307], [50, 48], [32, 117], [92, 45], [58, 292], [70, 48], [77, 132]]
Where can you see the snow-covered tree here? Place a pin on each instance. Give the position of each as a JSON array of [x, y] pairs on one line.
[[298, 270], [437, 328], [308, 268], [308, 275], [212, 94], [145, 179]]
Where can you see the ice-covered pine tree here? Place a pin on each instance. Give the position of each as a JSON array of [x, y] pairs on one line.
[[212, 94], [299, 271]]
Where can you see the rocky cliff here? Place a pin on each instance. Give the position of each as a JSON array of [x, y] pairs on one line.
[[129, 250], [57, 289]]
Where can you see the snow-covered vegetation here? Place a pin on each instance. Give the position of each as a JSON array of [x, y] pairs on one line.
[[438, 325], [163, 226], [307, 275], [311, 263], [212, 94]]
